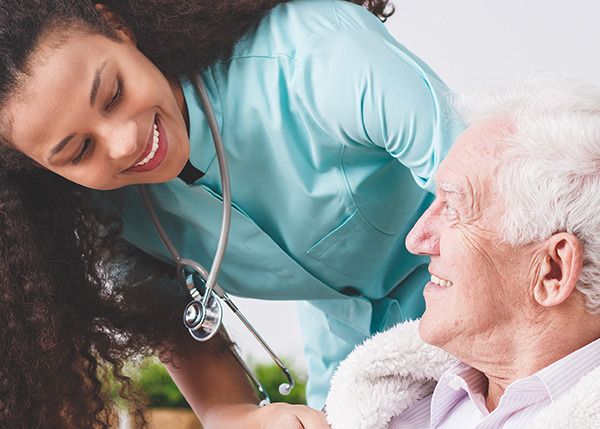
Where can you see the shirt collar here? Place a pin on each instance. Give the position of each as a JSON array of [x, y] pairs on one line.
[[552, 381], [457, 382]]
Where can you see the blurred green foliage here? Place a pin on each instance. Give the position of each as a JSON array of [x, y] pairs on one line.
[[153, 379]]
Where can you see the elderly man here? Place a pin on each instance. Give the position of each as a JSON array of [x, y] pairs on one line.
[[514, 298]]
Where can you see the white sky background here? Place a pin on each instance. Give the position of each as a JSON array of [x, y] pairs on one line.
[[466, 40], [462, 41]]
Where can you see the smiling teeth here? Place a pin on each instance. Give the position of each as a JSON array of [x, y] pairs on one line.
[[154, 148], [441, 282]]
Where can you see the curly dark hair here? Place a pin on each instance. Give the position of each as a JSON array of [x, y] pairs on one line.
[[66, 316]]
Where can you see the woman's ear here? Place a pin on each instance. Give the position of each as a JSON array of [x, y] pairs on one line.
[[117, 22], [560, 268]]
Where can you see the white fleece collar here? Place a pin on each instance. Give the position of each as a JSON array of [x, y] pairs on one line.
[[391, 371]]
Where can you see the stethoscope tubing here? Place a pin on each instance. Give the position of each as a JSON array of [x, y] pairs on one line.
[[210, 277], [284, 388], [181, 263], [225, 185]]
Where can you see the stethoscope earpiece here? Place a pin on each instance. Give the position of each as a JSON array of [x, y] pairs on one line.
[[285, 389]]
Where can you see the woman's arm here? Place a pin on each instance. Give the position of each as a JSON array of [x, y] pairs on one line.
[[216, 387]]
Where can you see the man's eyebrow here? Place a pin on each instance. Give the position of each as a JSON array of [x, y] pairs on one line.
[[60, 146], [96, 83], [450, 188]]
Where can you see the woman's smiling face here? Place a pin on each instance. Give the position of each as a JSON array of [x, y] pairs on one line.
[[98, 112]]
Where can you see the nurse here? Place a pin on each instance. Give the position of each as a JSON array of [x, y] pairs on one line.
[[332, 131]]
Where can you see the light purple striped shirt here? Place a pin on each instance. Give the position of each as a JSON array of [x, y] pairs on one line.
[[458, 400]]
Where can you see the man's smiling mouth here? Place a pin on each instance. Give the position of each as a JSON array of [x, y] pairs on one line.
[[441, 282]]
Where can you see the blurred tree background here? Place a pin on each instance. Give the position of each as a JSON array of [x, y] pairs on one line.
[[152, 377]]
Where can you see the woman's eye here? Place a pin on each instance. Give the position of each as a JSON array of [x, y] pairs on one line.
[[84, 151], [116, 97]]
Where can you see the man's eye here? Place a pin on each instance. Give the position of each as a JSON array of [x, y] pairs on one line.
[[116, 97], [449, 211], [84, 150]]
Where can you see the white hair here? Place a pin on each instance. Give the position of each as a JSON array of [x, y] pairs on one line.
[[550, 172]]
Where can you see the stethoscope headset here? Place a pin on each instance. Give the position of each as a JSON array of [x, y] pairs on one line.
[[203, 316]]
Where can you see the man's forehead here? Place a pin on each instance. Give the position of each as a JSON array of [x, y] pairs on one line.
[[481, 139], [475, 155]]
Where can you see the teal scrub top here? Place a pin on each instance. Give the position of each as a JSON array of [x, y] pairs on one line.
[[333, 132]]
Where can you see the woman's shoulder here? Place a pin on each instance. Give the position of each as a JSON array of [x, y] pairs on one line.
[[287, 27]]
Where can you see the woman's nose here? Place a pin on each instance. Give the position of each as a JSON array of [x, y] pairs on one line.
[[424, 238], [121, 139]]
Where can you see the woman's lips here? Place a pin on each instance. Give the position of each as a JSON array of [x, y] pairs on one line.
[[154, 152]]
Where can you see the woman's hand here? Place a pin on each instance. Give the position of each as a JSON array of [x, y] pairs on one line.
[[220, 394], [278, 415], [286, 416]]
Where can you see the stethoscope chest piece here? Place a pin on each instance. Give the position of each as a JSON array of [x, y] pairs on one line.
[[203, 317]]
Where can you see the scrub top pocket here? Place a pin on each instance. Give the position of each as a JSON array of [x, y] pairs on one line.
[[332, 249]]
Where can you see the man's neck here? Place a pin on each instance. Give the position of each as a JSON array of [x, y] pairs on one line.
[[528, 354]]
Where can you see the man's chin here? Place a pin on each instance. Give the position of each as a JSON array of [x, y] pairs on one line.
[[432, 332]]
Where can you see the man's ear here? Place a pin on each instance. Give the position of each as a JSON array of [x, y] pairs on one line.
[[559, 270], [117, 22]]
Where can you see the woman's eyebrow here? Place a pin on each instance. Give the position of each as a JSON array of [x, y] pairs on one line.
[[60, 146], [96, 83]]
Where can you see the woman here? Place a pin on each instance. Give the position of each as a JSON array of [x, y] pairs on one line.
[[328, 125]]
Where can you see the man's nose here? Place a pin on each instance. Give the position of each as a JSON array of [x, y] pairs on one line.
[[423, 238], [121, 139]]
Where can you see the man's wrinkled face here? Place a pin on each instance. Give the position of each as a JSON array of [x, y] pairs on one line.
[[479, 285]]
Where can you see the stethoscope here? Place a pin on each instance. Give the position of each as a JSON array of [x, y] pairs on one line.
[[203, 316]]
